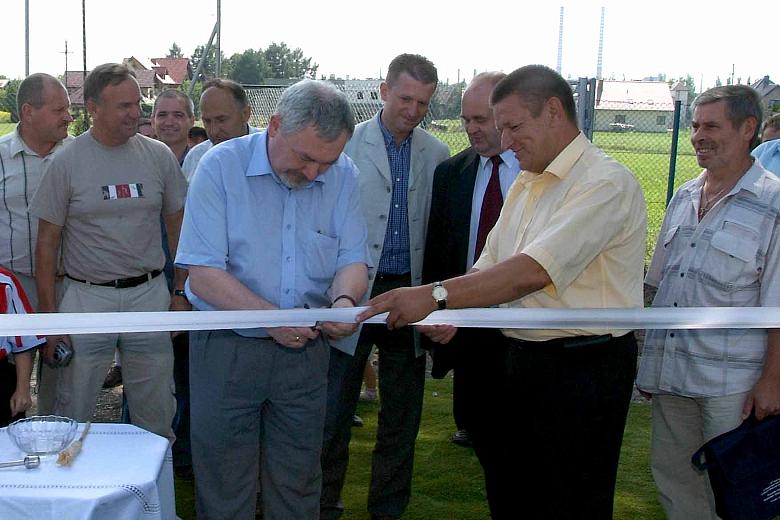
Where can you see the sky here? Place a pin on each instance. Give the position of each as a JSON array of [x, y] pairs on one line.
[[359, 38]]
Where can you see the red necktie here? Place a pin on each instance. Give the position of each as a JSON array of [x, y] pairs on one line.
[[491, 207]]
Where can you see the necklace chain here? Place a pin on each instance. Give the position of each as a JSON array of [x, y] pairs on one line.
[[706, 203]]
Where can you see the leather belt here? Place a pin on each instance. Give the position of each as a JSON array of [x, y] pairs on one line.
[[123, 283]]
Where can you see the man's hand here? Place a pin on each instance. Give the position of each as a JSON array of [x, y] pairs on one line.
[[179, 303], [21, 401], [764, 397], [51, 344], [405, 305], [336, 330], [293, 337], [442, 334]]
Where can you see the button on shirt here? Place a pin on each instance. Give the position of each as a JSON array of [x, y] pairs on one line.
[[507, 173], [729, 259], [284, 244], [395, 251], [584, 221], [21, 170]]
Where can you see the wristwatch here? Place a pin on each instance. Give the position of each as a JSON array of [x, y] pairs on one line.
[[180, 292], [439, 294]]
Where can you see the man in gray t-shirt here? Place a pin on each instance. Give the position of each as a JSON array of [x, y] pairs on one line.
[[101, 202]]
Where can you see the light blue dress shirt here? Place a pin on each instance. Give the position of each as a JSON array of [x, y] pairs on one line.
[[284, 244], [507, 173], [768, 154]]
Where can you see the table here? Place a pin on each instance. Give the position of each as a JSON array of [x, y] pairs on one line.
[[122, 472]]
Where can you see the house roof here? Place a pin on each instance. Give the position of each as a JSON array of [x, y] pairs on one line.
[[764, 86], [633, 95], [179, 69], [74, 79]]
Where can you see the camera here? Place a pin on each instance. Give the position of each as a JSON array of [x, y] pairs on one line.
[[63, 353]]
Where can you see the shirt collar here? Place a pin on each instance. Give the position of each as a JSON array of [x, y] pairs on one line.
[[259, 164], [507, 156], [752, 180], [17, 145], [565, 160], [388, 137]]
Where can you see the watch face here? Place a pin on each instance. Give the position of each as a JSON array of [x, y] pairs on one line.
[[439, 293]]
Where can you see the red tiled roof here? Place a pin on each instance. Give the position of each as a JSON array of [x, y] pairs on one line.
[[74, 79], [179, 69]]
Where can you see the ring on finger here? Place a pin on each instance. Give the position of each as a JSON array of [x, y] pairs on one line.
[[297, 338]]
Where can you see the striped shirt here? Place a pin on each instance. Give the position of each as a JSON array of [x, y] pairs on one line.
[[14, 301], [729, 259], [21, 170], [396, 258]]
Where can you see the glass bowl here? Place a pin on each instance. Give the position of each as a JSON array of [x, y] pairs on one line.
[[42, 434]]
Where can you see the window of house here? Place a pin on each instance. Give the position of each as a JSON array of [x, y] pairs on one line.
[[620, 118], [374, 95], [660, 120], [360, 95]]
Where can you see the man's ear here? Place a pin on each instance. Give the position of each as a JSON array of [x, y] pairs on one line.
[[26, 111], [274, 124], [555, 110]]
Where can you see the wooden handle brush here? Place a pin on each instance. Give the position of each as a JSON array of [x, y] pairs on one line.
[[67, 455]]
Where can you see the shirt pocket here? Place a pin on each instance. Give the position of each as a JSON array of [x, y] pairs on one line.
[[321, 256], [732, 262]]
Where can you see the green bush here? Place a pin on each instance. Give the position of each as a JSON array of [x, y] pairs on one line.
[[5, 117]]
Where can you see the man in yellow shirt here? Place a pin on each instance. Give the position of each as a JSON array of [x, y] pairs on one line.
[[571, 235]]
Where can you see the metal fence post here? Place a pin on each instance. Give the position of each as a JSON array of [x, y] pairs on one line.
[[673, 153]]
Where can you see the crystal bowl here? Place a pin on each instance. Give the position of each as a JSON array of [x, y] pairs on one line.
[[42, 434]]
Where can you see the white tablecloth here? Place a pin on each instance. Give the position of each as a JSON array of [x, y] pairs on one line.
[[122, 472]]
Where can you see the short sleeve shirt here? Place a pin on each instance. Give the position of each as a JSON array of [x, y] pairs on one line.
[[108, 201], [729, 259], [13, 300], [584, 221], [284, 244]]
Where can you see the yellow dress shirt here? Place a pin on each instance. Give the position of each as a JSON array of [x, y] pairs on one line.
[[584, 221]]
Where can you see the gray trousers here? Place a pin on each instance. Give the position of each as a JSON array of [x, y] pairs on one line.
[[147, 357], [253, 400]]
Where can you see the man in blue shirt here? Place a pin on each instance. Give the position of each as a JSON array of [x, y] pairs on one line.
[[768, 152], [273, 221]]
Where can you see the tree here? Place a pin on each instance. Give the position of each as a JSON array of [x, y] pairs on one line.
[[9, 99], [175, 51], [718, 82], [285, 63], [210, 66], [249, 67]]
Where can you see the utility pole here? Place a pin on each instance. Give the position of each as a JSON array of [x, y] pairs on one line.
[[84, 56], [66, 59], [219, 36], [26, 38]]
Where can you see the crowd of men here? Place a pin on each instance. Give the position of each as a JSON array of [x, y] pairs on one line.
[[315, 211]]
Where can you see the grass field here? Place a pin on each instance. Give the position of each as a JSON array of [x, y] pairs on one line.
[[448, 481]]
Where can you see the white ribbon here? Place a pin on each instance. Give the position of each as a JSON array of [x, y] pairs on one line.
[[649, 318]]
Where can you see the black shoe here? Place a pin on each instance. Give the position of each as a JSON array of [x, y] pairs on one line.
[[461, 438], [357, 422], [113, 377]]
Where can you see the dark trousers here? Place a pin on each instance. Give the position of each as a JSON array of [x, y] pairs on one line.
[[182, 453], [478, 365], [7, 389], [401, 384], [566, 403]]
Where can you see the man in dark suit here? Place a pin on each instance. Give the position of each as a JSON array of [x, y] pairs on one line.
[[468, 190]]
